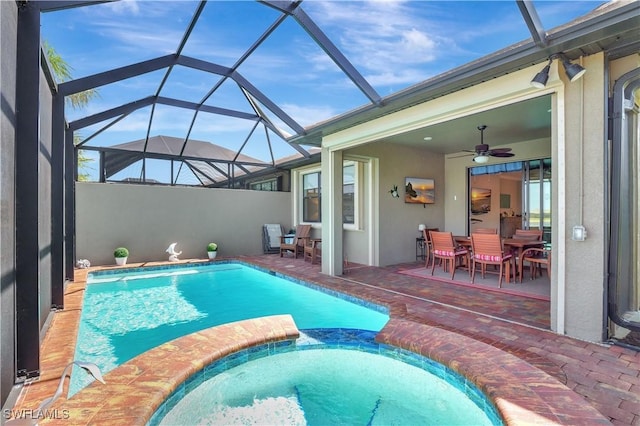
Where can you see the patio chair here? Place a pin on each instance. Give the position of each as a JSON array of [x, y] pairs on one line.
[[487, 250], [536, 258], [445, 249], [271, 234], [485, 231], [534, 234], [296, 245], [428, 245], [313, 250]]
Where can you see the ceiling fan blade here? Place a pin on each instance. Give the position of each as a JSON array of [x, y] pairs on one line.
[[462, 155], [501, 154], [501, 150]]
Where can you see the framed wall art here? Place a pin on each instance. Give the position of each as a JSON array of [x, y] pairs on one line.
[[419, 191], [480, 201]]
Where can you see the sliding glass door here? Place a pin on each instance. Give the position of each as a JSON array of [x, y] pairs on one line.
[[536, 185], [511, 196]]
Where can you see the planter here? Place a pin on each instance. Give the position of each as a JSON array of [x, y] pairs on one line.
[[121, 261], [212, 254]]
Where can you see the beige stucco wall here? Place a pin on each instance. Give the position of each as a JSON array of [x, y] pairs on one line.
[[398, 221], [146, 219], [584, 188]]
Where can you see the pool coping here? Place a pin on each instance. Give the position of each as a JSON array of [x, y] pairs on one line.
[[546, 401], [148, 379], [134, 391]]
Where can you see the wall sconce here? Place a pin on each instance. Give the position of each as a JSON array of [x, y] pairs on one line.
[[394, 191], [579, 233], [573, 71]]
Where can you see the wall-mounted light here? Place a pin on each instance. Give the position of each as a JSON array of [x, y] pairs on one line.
[[540, 80], [394, 191], [579, 233], [573, 71]]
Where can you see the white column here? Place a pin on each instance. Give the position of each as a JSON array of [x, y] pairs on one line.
[[332, 254]]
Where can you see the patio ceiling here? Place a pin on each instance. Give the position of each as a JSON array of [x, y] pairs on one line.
[[208, 83]]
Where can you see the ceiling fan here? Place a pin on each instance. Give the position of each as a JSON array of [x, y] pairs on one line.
[[482, 151]]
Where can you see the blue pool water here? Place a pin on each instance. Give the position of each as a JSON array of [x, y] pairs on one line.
[[327, 377], [127, 313]]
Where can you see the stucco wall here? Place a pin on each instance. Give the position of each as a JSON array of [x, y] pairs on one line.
[[585, 134], [146, 219], [398, 221]]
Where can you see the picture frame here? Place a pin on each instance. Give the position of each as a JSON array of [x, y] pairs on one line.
[[480, 201], [505, 201], [419, 190]]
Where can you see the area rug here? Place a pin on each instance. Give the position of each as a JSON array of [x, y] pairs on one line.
[[539, 288]]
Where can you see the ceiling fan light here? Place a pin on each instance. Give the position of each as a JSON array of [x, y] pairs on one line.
[[540, 80], [481, 159]]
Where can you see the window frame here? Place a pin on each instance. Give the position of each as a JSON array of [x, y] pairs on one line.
[[298, 195]]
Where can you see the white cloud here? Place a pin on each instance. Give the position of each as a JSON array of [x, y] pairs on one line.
[[306, 115], [124, 7]]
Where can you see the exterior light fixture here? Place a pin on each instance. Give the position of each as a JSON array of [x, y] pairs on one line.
[[394, 191], [579, 233], [481, 159], [540, 80], [573, 71]]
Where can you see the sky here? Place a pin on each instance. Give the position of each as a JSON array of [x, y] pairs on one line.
[[393, 44]]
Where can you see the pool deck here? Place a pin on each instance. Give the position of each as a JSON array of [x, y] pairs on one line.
[[488, 325]]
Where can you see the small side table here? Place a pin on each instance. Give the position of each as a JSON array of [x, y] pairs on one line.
[[421, 248]]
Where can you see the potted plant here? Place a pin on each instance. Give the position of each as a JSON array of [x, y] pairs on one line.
[[121, 254], [212, 250]]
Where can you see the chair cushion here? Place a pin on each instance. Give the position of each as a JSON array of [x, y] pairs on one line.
[[450, 253], [491, 258]]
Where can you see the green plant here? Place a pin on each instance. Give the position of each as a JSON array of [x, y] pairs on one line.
[[212, 247], [121, 252]]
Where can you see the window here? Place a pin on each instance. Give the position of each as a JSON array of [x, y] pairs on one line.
[[348, 194], [312, 195], [267, 185]]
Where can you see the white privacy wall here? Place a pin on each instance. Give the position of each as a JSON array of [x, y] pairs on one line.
[[146, 219]]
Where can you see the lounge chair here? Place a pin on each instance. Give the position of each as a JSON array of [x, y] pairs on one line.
[[271, 234]]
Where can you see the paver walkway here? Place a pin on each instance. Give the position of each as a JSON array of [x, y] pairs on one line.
[[607, 376]]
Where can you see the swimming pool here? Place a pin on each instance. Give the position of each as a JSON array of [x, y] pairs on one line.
[[126, 313], [327, 377]]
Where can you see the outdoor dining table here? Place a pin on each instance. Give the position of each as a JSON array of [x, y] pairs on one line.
[[518, 246]]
